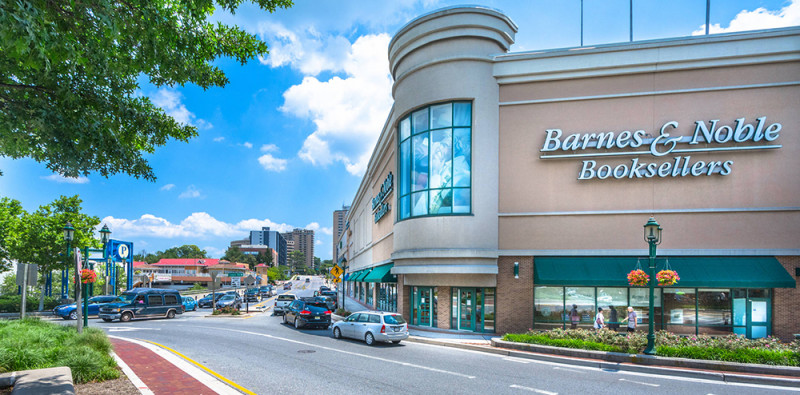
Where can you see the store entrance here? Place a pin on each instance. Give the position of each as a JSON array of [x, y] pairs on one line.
[[752, 313], [422, 306], [466, 309]]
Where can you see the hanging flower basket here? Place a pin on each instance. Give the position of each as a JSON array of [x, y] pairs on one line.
[[667, 277], [638, 278], [88, 276]]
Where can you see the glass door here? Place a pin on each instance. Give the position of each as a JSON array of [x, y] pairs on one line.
[[466, 309], [758, 318], [421, 306]]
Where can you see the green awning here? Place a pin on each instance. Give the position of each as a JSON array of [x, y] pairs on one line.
[[381, 274], [353, 275], [706, 272], [363, 274], [359, 274]]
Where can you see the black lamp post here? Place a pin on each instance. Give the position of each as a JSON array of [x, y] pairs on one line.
[[69, 232], [652, 235], [105, 235]]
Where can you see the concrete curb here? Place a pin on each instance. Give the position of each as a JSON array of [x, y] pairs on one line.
[[40, 381]]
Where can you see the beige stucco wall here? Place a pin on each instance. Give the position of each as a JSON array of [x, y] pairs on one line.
[[543, 206]]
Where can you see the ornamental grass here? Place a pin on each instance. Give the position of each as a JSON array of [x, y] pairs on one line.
[[730, 348]]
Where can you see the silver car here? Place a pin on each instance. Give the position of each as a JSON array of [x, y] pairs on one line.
[[372, 326]]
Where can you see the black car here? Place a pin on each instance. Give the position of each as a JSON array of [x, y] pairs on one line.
[[308, 312], [323, 289], [265, 291], [252, 295], [206, 302]]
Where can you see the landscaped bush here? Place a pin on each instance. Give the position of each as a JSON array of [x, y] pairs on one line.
[[35, 344], [731, 348], [227, 310], [11, 303], [342, 312]]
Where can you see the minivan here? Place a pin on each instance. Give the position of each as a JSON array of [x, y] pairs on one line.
[[143, 303]]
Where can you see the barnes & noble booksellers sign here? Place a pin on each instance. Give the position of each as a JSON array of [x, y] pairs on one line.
[[379, 206], [708, 137]]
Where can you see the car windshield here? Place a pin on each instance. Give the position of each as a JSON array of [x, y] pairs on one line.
[[227, 297], [285, 297], [394, 319], [128, 297]]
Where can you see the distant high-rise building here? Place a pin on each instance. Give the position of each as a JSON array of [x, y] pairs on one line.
[[239, 243], [339, 220], [272, 239], [303, 241]]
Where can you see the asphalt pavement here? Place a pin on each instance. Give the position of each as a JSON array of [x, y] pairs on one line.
[[258, 354]]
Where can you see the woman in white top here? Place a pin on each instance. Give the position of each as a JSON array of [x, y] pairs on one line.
[[599, 320]]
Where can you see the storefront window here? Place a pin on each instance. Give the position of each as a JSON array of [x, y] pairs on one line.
[[583, 298], [435, 161], [680, 306], [472, 309], [370, 292], [614, 302], [640, 301], [714, 311], [548, 307]]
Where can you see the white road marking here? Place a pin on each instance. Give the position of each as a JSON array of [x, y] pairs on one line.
[[131, 328], [639, 382], [135, 380], [411, 365], [203, 377], [538, 391], [568, 370], [512, 359]]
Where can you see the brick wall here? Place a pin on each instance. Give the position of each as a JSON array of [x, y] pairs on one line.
[[444, 305], [403, 292], [514, 295], [786, 303]]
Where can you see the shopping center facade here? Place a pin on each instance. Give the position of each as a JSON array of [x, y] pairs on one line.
[[506, 188]]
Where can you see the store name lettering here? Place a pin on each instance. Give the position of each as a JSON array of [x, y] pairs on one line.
[[379, 207], [707, 137]]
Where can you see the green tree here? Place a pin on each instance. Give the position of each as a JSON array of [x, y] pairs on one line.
[[297, 260], [234, 254], [70, 76], [183, 252], [11, 213]]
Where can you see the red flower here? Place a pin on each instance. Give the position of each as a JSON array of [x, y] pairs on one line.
[[667, 277], [88, 276], [638, 278]]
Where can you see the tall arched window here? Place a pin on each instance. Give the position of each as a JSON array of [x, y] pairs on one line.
[[435, 161]]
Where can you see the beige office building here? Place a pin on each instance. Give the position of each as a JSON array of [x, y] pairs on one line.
[[507, 188]]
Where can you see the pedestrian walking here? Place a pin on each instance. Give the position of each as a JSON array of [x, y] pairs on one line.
[[612, 319], [574, 317], [631, 318], [599, 320]]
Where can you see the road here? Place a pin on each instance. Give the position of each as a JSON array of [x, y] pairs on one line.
[[267, 357]]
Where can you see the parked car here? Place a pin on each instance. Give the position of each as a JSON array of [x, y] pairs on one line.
[[332, 298], [324, 288], [266, 291], [230, 301], [287, 285], [70, 311], [372, 326], [143, 303], [282, 302], [308, 312], [252, 295], [206, 302], [188, 303]]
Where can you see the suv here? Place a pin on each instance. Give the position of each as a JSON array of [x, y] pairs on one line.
[[372, 326], [282, 302], [265, 291], [308, 312], [308, 280], [252, 295], [324, 288], [143, 303], [287, 285]]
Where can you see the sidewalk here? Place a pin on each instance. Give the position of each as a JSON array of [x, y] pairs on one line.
[[491, 343], [157, 370]]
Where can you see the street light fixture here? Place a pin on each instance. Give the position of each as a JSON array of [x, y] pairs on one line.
[[105, 234], [69, 232], [652, 235]]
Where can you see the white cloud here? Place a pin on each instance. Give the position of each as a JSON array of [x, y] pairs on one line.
[[219, 139], [171, 101], [318, 242], [349, 109], [271, 163], [270, 148], [248, 144], [66, 180], [199, 225], [191, 192], [214, 252], [316, 228], [167, 187], [760, 18]]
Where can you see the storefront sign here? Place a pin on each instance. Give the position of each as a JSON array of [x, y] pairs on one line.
[[162, 277], [707, 137], [379, 207]]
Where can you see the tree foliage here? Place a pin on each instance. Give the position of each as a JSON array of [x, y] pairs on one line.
[[70, 70], [297, 259], [186, 251]]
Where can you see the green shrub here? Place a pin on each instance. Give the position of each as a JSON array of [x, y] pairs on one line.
[[36, 344], [11, 303], [567, 343], [226, 310], [746, 355], [342, 312]]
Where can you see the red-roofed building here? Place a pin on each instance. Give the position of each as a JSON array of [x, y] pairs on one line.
[[187, 271]]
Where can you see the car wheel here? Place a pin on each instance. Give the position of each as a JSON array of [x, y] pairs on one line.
[[337, 333], [107, 319], [296, 323], [125, 317], [171, 314], [284, 320], [369, 339], [73, 315], [396, 341]]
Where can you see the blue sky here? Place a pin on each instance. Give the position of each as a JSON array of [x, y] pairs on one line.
[[286, 142]]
